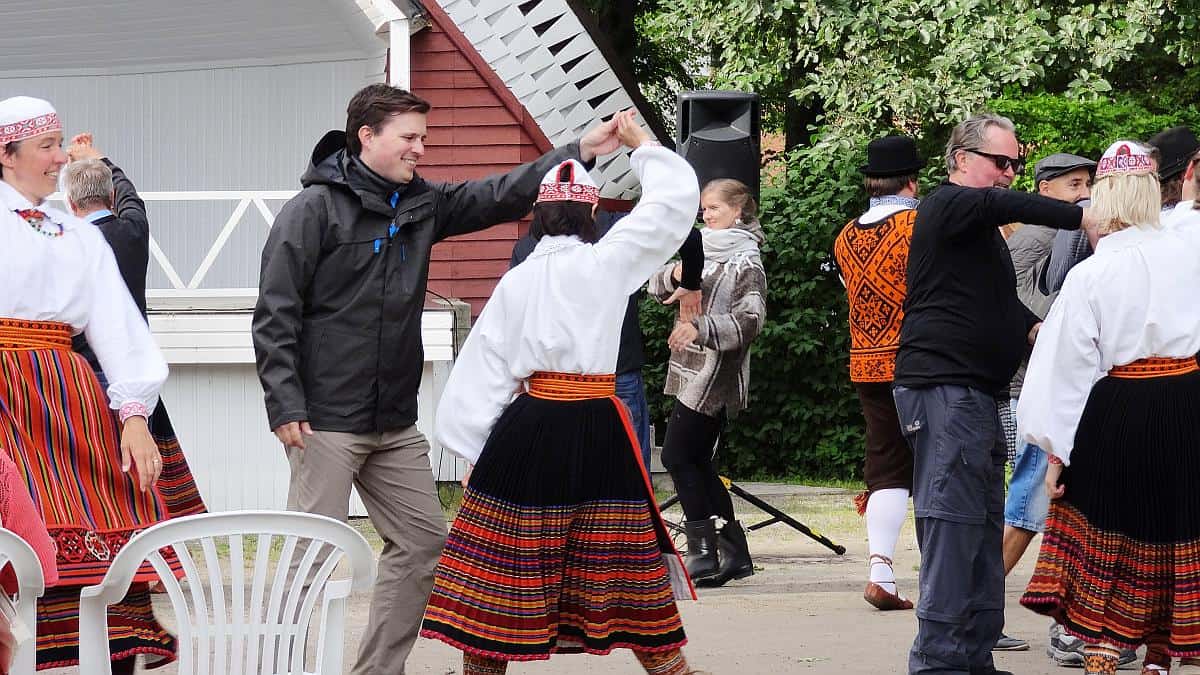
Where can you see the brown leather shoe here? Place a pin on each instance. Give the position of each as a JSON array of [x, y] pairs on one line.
[[884, 601]]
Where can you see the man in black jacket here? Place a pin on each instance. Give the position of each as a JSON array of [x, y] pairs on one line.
[[337, 335], [963, 335], [99, 192]]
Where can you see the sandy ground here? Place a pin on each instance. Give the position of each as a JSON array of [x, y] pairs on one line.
[[802, 612]]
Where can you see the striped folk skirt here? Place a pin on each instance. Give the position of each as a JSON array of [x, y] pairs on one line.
[[1120, 559], [558, 546], [56, 425]]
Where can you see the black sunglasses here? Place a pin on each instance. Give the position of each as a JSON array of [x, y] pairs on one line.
[[1002, 162]]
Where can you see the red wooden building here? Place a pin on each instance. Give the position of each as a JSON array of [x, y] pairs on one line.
[[545, 75]]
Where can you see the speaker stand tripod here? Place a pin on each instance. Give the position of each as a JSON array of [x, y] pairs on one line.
[[776, 516]]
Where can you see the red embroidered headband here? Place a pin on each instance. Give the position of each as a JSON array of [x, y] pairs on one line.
[[568, 182], [23, 117], [1124, 158]]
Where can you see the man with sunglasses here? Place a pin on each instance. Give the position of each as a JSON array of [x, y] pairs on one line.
[[964, 333]]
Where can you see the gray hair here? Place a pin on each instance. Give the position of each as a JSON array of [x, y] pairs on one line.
[[88, 182], [972, 133]]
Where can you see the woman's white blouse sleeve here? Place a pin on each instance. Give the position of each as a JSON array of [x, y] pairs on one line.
[[117, 333], [480, 386], [1065, 364]]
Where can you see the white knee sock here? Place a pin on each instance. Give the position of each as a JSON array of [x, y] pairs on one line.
[[886, 511]]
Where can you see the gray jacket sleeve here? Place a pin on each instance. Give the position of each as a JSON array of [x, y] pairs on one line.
[[479, 204], [289, 260], [1069, 249]]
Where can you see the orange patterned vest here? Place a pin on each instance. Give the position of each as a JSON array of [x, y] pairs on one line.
[[873, 262]]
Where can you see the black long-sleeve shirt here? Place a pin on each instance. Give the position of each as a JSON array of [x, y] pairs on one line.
[[963, 323]]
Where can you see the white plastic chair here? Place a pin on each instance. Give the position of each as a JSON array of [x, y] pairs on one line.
[[262, 627], [30, 586]]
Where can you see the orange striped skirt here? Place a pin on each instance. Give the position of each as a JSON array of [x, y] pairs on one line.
[[56, 425]]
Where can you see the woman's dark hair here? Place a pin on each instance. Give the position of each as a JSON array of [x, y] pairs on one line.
[[373, 105], [557, 218], [9, 148]]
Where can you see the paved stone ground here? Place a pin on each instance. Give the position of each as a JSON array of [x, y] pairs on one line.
[[802, 612]]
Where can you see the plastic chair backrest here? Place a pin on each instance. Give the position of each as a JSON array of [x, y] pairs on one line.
[[30, 586], [261, 622]]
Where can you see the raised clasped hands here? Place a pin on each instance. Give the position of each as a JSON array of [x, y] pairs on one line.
[[607, 137], [81, 148]]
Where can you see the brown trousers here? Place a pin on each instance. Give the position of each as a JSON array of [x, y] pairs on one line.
[[392, 473]]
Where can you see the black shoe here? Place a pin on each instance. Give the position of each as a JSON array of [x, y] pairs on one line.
[[701, 559], [735, 556], [990, 671], [1010, 644]]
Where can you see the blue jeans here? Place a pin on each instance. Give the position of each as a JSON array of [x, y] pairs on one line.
[[1027, 503], [632, 390]]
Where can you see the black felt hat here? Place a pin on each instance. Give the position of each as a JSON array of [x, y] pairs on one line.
[[891, 156], [1176, 147]]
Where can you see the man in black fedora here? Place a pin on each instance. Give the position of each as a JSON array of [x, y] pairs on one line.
[[872, 253], [1177, 147]]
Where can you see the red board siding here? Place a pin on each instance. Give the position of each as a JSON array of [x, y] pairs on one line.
[[477, 128]]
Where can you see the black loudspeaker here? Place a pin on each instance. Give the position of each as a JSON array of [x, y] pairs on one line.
[[718, 134]]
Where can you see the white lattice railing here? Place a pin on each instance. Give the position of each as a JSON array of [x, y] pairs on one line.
[[242, 200]]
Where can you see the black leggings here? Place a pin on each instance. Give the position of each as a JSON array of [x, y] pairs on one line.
[[688, 453]]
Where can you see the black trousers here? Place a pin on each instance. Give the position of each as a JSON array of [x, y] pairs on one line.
[[688, 453]]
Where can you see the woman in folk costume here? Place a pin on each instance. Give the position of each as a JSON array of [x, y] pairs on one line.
[[1112, 394], [558, 546], [92, 474], [709, 375]]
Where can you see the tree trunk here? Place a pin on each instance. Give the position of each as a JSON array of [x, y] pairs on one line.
[[797, 117]]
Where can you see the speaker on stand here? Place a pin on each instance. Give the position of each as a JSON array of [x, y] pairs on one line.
[[718, 134]]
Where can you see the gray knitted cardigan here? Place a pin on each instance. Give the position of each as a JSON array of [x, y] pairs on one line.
[[714, 372]]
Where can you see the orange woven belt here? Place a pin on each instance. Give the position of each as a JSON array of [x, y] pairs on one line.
[[571, 386], [1154, 367], [21, 334]]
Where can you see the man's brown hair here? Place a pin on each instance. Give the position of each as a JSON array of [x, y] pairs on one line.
[[882, 186], [373, 105]]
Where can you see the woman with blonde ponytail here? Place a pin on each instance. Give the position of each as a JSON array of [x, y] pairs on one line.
[[709, 375]]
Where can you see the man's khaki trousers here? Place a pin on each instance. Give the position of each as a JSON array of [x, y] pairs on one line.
[[392, 473]]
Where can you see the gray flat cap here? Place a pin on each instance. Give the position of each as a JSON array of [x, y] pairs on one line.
[[1055, 165]]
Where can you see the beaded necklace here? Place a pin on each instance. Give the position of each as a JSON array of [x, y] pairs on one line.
[[37, 221]]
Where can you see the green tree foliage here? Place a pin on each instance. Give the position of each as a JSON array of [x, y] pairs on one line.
[[915, 64], [804, 418]]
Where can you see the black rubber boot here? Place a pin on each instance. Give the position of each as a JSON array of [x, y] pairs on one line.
[[701, 559], [735, 556]]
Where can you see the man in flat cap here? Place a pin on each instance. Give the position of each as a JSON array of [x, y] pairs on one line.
[[1178, 150]]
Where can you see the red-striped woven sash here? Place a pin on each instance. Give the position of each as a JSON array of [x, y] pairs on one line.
[[1154, 367], [571, 386], [21, 334]]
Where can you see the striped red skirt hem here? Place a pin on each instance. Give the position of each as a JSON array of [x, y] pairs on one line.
[[557, 547], [1120, 559]]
